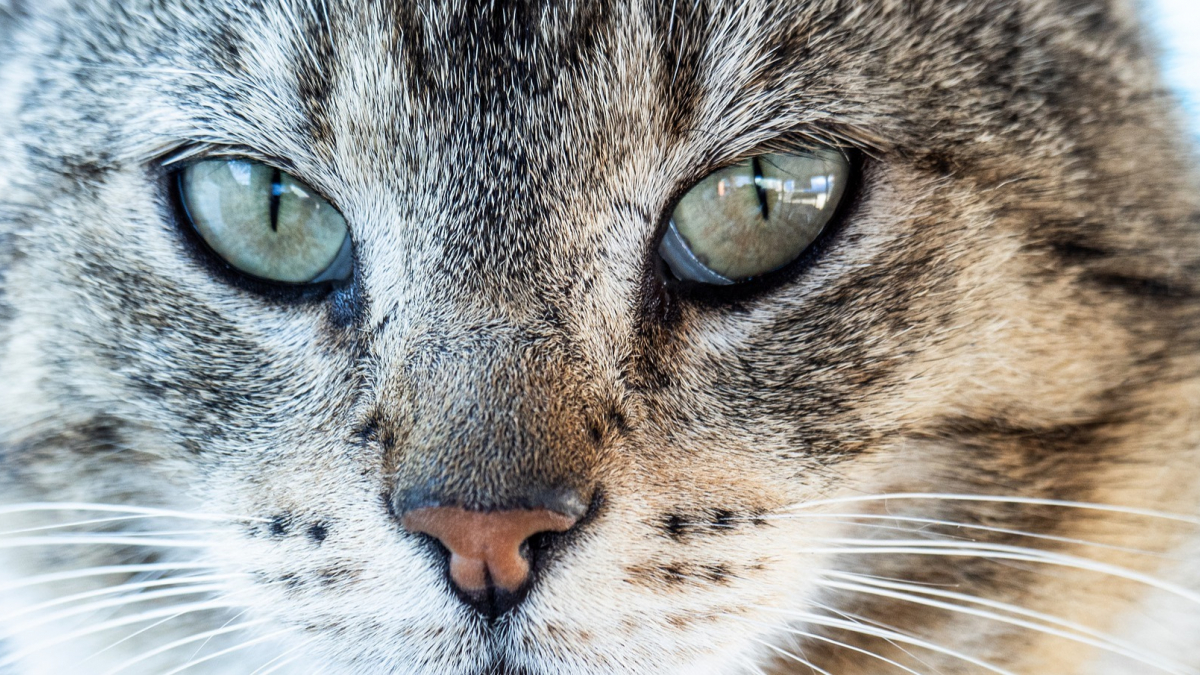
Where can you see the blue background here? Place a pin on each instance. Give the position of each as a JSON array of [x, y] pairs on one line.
[[1178, 26]]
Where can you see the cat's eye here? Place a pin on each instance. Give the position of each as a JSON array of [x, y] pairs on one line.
[[755, 217], [265, 222]]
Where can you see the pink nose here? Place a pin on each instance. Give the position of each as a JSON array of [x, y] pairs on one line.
[[485, 546]]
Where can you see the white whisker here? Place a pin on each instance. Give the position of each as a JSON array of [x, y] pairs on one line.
[[230, 650], [282, 660], [170, 612], [285, 664], [1000, 499], [831, 641], [753, 668], [144, 629], [122, 588], [862, 620], [204, 644], [788, 655], [1001, 552], [77, 523], [106, 570], [122, 508], [102, 540], [862, 629], [207, 635], [131, 599], [1110, 645], [851, 517]]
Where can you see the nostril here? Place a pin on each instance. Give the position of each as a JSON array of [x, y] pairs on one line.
[[486, 546]]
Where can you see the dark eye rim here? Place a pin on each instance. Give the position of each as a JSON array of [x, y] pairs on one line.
[[722, 296], [202, 253]]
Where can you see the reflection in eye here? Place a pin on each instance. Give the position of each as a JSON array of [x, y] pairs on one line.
[[754, 217], [265, 222]]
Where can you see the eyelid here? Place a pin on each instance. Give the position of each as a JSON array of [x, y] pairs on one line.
[[676, 253]]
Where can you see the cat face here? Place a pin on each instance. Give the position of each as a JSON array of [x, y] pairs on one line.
[[1001, 305]]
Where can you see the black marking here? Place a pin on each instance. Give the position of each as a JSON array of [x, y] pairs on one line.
[[99, 435], [717, 573], [1074, 251], [757, 517], [673, 573], [678, 526], [347, 304], [316, 74], [997, 430], [723, 518], [675, 526], [685, 28], [290, 581], [678, 573], [618, 422], [756, 165], [227, 48], [87, 170], [280, 525], [1142, 287], [276, 193], [318, 532], [333, 576]]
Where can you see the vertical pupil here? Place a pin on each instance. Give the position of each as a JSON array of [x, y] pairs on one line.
[[276, 191], [756, 166]]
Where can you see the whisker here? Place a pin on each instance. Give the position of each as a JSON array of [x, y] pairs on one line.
[[102, 540], [77, 523], [207, 635], [862, 620], [204, 644], [106, 570], [926, 589], [1001, 499], [267, 668], [171, 612], [134, 634], [788, 655], [831, 622], [954, 524], [1112, 646], [122, 588], [1001, 552], [118, 602], [844, 645], [753, 668], [31, 507], [230, 650]]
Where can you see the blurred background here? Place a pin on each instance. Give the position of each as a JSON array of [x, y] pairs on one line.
[[1178, 25]]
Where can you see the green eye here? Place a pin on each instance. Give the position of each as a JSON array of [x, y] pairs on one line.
[[265, 222], [755, 217]]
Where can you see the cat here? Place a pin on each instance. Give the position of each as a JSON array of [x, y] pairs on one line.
[[527, 338]]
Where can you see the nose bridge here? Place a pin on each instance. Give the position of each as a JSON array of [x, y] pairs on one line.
[[497, 421]]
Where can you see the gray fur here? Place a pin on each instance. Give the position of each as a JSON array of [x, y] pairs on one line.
[[1008, 308]]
